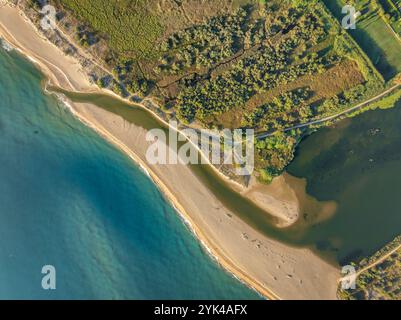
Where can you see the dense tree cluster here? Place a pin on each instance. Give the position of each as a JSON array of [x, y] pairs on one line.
[[272, 64], [239, 66], [85, 36], [380, 277], [204, 45], [275, 152], [289, 108], [337, 103]]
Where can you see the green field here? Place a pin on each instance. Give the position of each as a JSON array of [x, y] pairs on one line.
[[130, 28], [374, 36], [392, 13]]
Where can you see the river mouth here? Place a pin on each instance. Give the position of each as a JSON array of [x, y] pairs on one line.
[[72, 200], [356, 163]]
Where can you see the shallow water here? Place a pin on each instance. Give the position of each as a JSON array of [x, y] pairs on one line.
[[71, 200], [356, 163]]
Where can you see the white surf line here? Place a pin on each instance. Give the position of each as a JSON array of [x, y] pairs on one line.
[[31, 56], [42, 64], [222, 261]]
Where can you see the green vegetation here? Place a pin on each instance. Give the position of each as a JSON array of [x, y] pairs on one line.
[[275, 152], [280, 113], [207, 44], [374, 34], [386, 102], [391, 12], [270, 66], [128, 26], [382, 281], [266, 65]]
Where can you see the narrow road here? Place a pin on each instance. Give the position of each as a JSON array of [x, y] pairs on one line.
[[373, 264], [378, 261], [359, 106]]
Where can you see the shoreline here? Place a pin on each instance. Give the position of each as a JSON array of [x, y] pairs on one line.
[[219, 259], [227, 255], [286, 211]]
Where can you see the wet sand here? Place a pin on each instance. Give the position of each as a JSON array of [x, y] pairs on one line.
[[275, 270]]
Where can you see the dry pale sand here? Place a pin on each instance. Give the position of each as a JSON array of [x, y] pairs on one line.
[[275, 270], [286, 199], [64, 71]]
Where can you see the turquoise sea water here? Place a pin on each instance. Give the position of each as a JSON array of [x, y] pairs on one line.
[[69, 199]]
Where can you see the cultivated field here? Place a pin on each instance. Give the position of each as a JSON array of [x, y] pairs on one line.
[[374, 35]]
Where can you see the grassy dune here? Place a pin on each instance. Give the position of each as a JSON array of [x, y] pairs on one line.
[[130, 28]]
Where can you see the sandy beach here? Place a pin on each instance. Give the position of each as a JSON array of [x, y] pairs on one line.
[[279, 200], [275, 270]]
